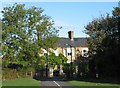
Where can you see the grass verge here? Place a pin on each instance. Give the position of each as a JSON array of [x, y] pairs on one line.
[[21, 83], [82, 84]]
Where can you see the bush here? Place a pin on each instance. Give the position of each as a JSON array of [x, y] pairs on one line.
[[9, 73], [68, 70], [17, 73]]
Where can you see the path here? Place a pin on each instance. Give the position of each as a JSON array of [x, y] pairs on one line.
[[54, 83]]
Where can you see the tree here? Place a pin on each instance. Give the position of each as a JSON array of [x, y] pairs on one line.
[[25, 32], [69, 69], [103, 43], [62, 59], [56, 60], [82, 63]]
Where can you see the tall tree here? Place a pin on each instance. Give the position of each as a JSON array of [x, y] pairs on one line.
[[104, 42], [25, 32]]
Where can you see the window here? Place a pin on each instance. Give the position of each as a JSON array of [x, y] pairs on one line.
[[69, 54], [58, 66], [84, 51], [45, 54], [85, 54]]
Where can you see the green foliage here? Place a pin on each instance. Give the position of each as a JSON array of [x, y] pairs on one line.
[[83, 66], [69, 69], [25, 32], [8, 73], [52, 59], [56, 60], [104, 44], [40, 63], [62, 59]]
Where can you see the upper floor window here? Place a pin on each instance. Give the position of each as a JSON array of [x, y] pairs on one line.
[[69, 54], [84, 51]]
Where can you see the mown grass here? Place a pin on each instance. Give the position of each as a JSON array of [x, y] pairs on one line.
[[82, 84], [21, 83]]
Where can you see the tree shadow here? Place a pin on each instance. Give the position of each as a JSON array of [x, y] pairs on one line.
[[49, 78], [95, 80]]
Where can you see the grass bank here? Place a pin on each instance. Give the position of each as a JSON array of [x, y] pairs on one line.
[[83, 84], [21, 83]]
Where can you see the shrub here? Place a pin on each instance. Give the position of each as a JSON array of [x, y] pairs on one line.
[[9, 73], [17, 73]]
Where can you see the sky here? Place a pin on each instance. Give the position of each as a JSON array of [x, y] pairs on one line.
[[72, 16]]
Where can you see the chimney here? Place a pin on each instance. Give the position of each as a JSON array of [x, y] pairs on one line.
[[71, 35]]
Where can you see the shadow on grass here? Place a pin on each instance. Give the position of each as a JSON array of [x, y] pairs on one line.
[[96, 87], [95, 80], [49, 78]]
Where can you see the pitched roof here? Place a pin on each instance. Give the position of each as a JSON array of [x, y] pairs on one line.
[[77, 42]]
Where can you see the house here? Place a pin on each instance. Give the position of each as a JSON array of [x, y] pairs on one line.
[[71, 48]]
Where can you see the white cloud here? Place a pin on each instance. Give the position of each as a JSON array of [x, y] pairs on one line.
[[64, 25]]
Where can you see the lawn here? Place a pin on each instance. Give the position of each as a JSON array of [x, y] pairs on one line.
[[21, 83], [0, 83], [82, 84]]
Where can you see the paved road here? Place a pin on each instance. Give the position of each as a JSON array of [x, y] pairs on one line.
[[54, 83]]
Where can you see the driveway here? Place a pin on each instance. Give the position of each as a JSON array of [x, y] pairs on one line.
[[54, 83]]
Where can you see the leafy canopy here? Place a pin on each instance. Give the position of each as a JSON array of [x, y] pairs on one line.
[[25, 32]]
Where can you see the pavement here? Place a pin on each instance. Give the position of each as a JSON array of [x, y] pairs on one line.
[[54, 83]]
